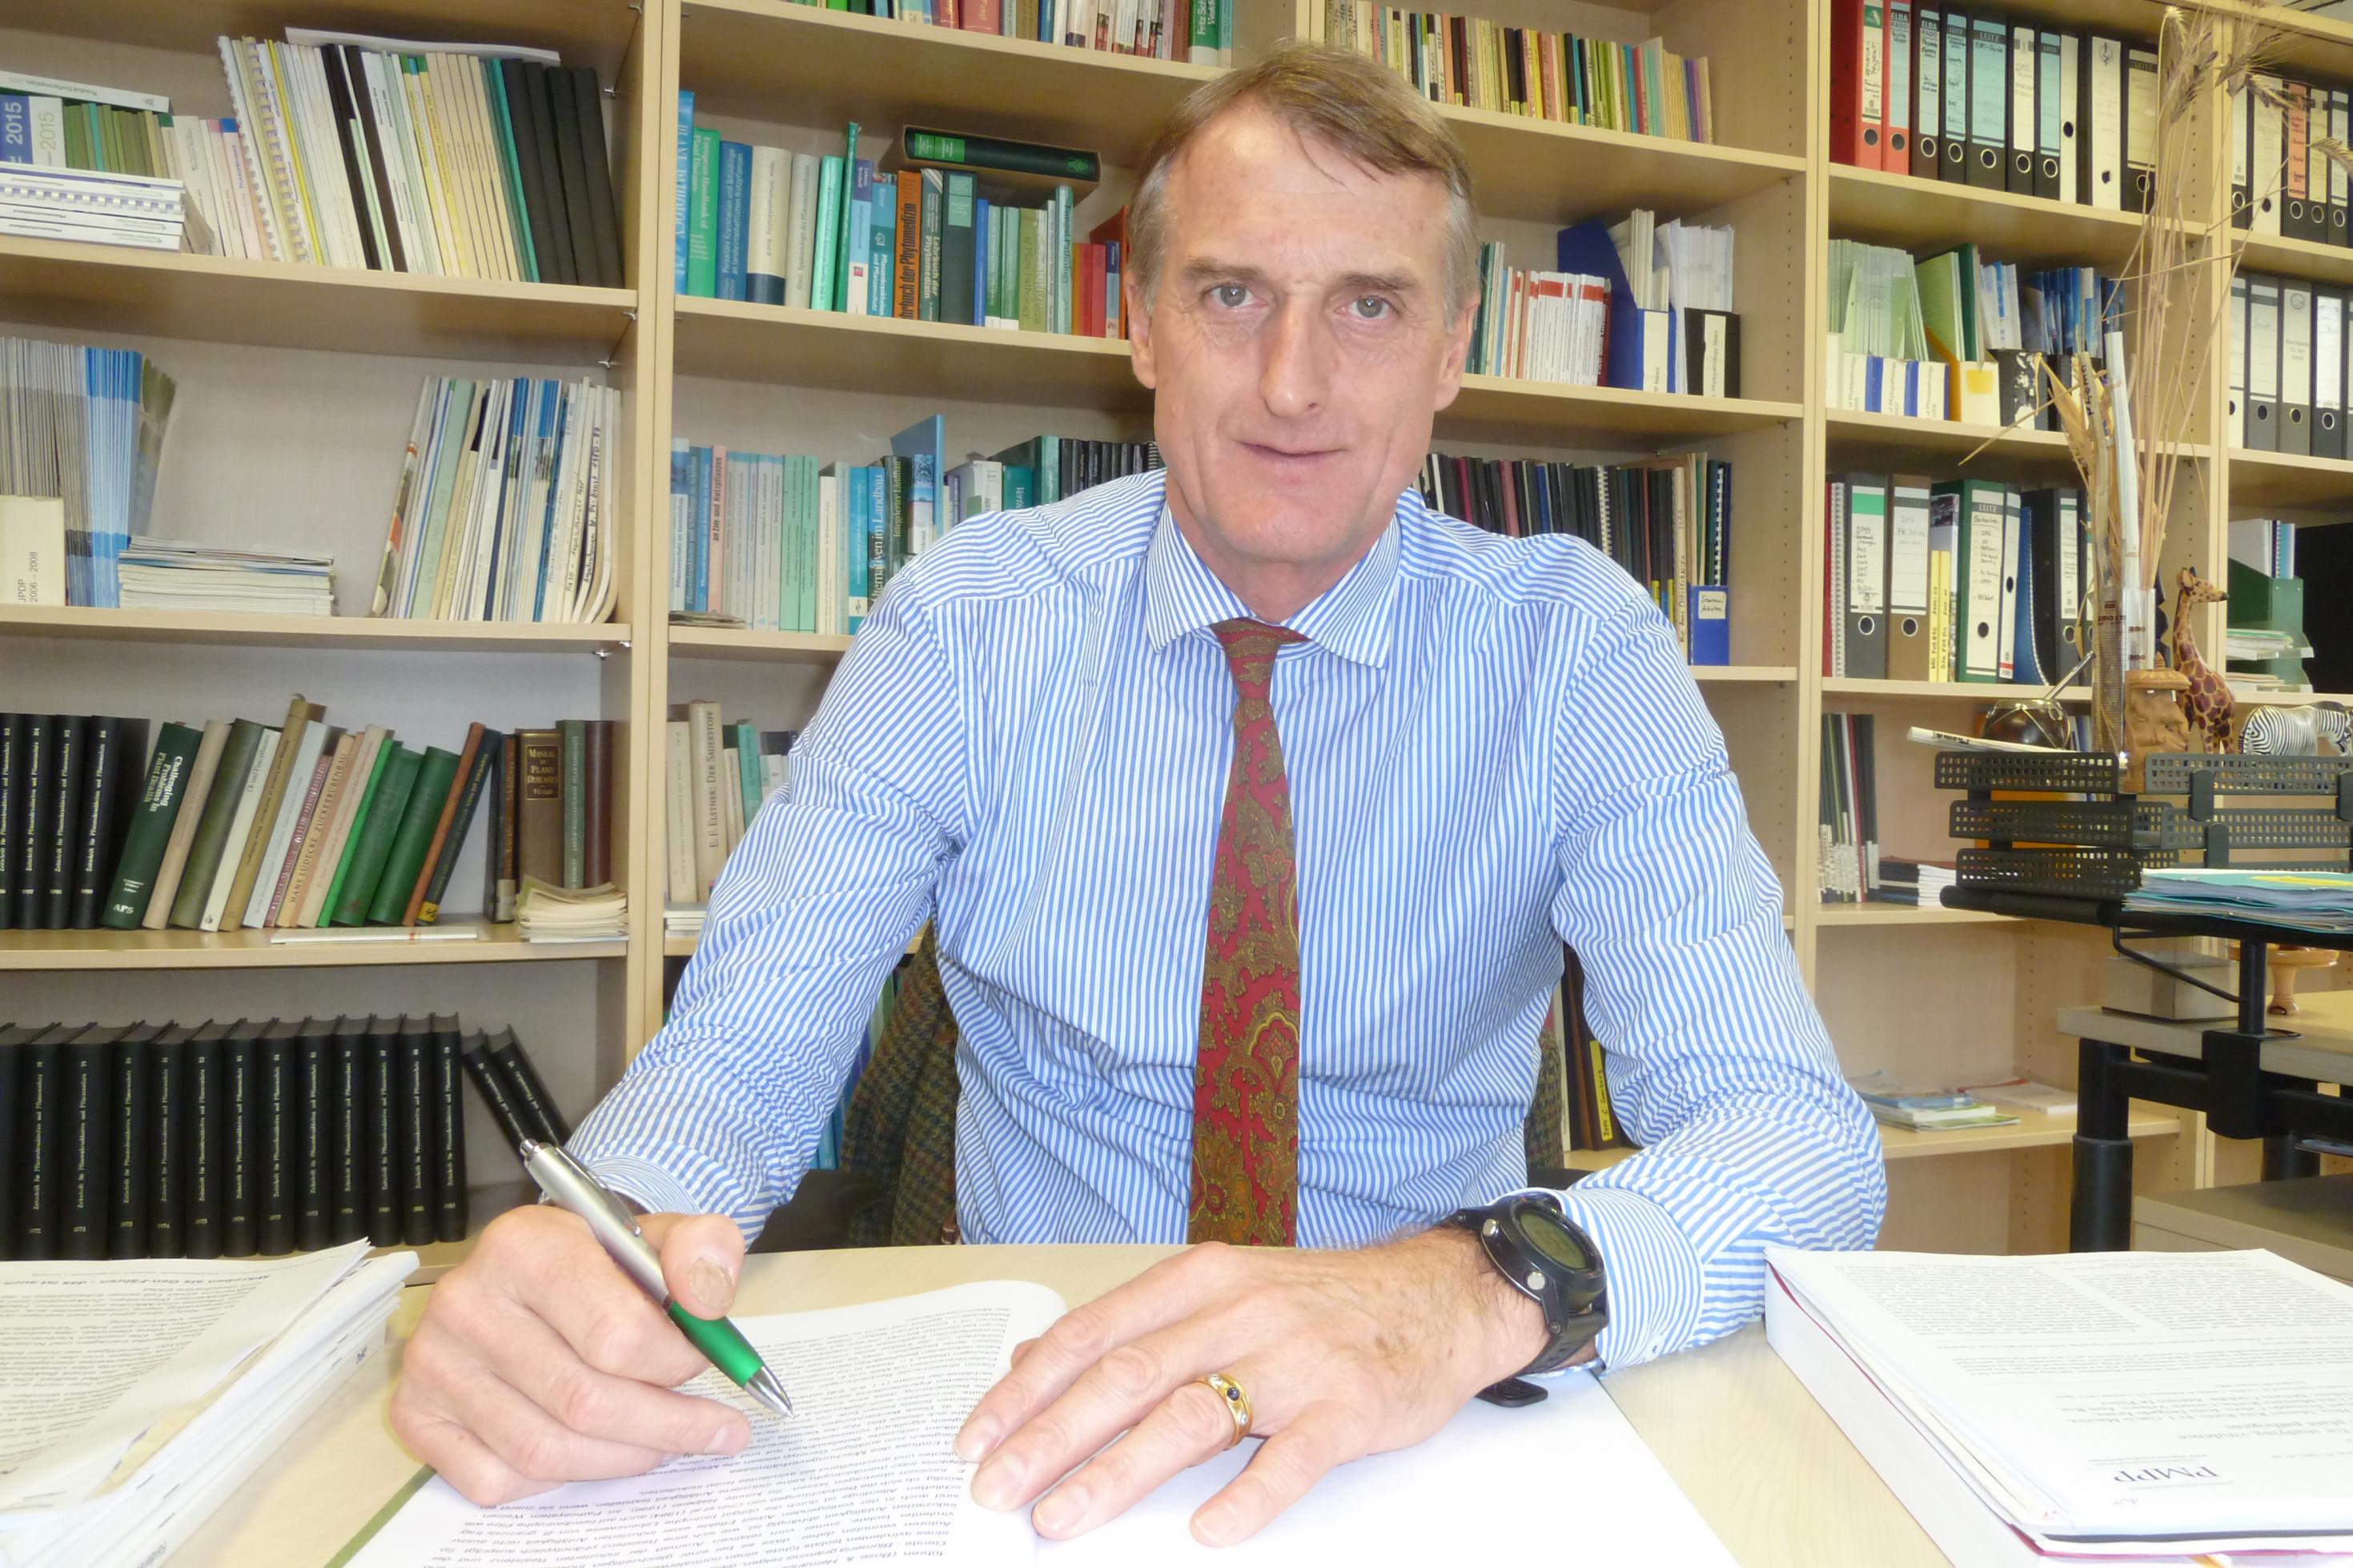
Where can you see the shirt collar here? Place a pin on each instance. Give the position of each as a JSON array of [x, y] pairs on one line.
[[1351, 618]]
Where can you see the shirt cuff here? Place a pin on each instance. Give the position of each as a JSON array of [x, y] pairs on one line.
[[1651, 1277], [654, 1189]]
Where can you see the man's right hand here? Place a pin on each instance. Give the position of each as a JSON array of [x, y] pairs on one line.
[[539, 1362]]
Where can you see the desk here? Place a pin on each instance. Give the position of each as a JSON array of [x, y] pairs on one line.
[[2308, 1221], [1768, 1471]]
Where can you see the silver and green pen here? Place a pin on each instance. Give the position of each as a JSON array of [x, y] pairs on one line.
[[571, 1188]]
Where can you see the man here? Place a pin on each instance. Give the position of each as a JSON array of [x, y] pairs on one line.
[[1250, 804]]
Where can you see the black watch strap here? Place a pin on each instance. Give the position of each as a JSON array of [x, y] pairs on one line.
[[1553, 1263]]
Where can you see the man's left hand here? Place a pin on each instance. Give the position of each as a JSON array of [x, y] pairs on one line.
[[1341, 1353]]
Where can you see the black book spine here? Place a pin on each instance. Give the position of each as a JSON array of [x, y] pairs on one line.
[[314, 1095], [133, 1133], [241, 1145], [65, 820], [12, 1113], [417, 1098], [273, 1173], [40, 816], [203, 1217], [95, 838], [538, 1106], [369, 135], [88, 1117], [573, 171], [384, 1140], [168, 1170], [605, 231], [492, 1085], [347, 1220], [40, 1133], [15, 733], [541, 102], [522, 113], [339, 105], [450, 1214]]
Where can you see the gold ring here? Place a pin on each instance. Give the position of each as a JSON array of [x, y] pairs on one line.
[[1237, 1403]]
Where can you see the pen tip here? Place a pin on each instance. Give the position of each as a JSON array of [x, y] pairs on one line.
[[771, 1393]]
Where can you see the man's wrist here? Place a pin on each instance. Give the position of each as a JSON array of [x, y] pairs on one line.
[[1515, 1331]]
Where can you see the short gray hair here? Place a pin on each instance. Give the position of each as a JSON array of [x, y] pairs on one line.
[[1356, 105]]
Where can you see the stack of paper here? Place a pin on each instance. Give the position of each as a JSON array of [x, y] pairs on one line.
[[100, 208], [85, 425], [549, 914], [2314, 901], [683, 920], [2115, 1408], [135, 1396], [180, 575]]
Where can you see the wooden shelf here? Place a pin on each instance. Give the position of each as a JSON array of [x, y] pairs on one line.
[[1929, 215], [777, 648], [305, 631], [1943, 691], [115, 290], [1743, 674], [2293, 258], [2284, 480], [249, 949], [1898, 915], [1894, 441], [764, 60], [735, 341], [2033, 1130]]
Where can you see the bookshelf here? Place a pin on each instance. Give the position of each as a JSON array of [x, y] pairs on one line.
[[297, 385]]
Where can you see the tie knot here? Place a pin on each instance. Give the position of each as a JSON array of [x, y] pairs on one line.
[[1250, 652]]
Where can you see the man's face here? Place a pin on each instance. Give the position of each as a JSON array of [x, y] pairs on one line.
[[1298, 346]]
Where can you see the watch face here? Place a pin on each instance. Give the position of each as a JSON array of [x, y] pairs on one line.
[[1546, 1233]]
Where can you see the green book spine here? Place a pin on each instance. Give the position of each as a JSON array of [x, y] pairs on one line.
[[436, 774], [824, 288], [703, 214], [573, 734], [747, 768], [386, 804], [1204, 40], [841, 234], [212, 827], [328, 905], [494, 92], [1033, 270], [927, 250], [468, 799], [151, 828], [1012, 157]]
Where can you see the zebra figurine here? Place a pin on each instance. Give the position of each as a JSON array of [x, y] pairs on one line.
[[2318, 730]]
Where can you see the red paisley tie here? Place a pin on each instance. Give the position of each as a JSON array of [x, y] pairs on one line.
[[1246, 1079]]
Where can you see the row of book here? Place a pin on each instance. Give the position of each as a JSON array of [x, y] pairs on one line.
[[1475, 63], [1667, 522], [2285, 139], [506, 508], [1951, 335], [1199, 32], [782, 544], [84, 426], [245, 1137], [715, 775], [933, 230], [1965, 580], [166, 574], [1975, 97], [2289, 359], [98, 165], [296, 826], [1636, 304]]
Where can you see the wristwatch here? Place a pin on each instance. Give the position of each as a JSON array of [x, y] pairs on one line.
[[1554, 1264]]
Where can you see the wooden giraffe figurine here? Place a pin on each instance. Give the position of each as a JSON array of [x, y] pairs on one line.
[[2208, 704]]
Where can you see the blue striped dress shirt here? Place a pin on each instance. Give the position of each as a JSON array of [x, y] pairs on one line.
[[1493, 747]]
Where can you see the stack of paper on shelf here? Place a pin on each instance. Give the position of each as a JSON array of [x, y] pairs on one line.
[[86, 425], [181, 574], [104, 209], [683, 920], [548, 913], [2116, 1409], [1924, 1109], [2315, 901], [135, 1396]]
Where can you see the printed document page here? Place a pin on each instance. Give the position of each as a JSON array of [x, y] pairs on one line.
[[2194, 1395], [864, 1471], [91, 1354]]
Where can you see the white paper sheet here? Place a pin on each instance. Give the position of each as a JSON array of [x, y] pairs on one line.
[[865, 1471], [91, 1354]]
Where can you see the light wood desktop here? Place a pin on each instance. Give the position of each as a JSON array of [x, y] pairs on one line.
[[1770, 1472]]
